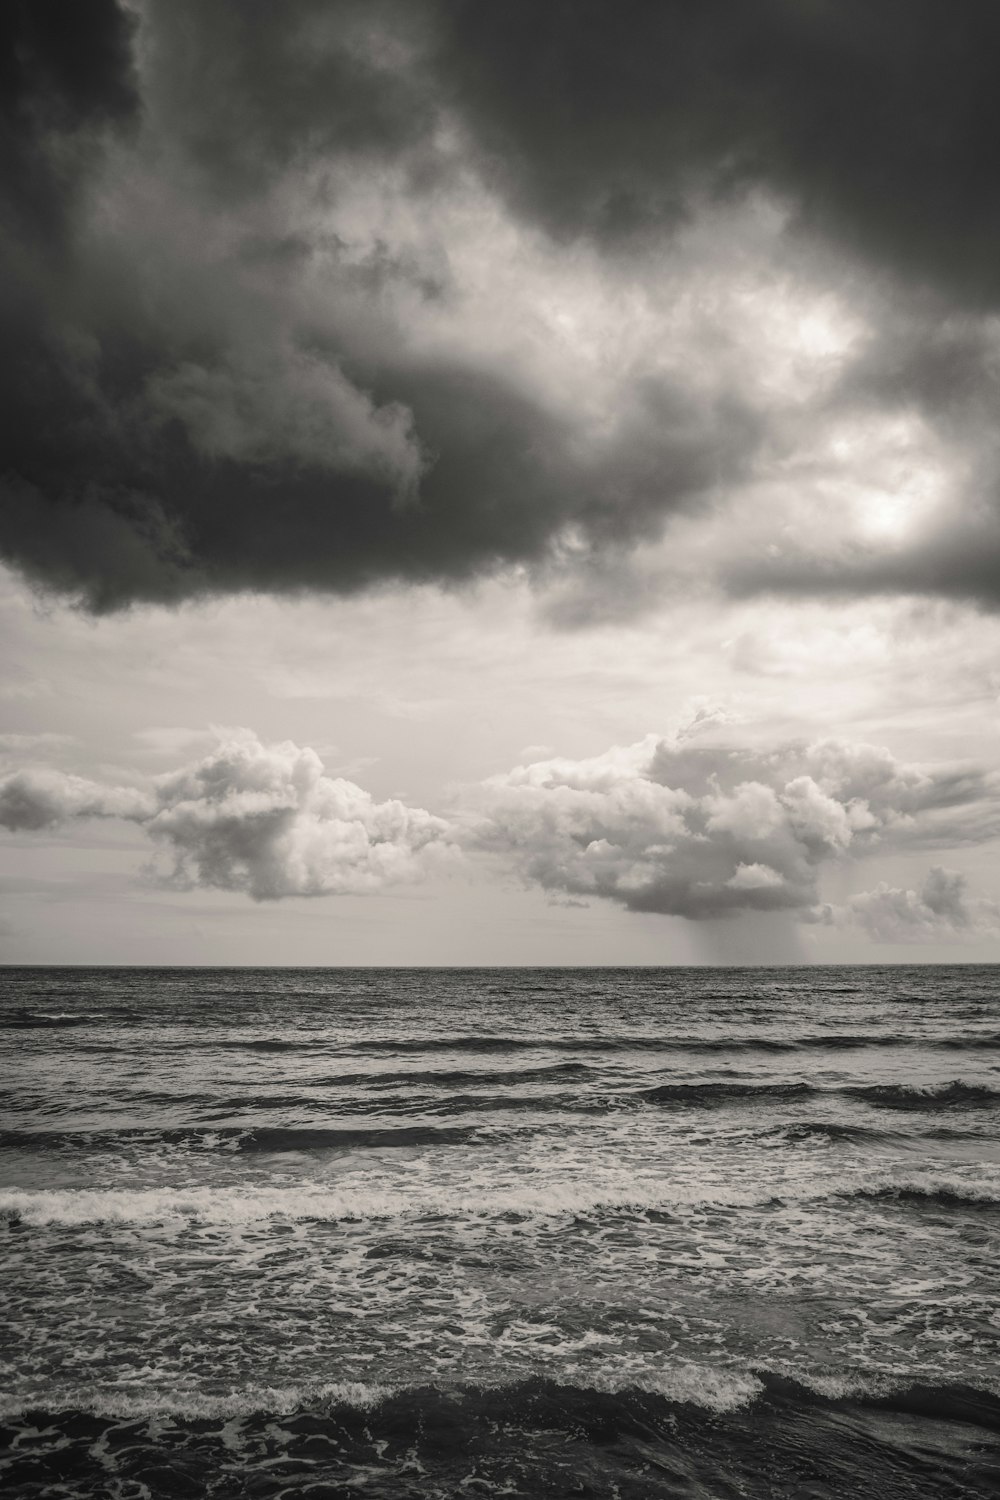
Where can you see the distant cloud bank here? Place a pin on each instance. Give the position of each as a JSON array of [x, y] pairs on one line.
[[669, 825], [942, 910]]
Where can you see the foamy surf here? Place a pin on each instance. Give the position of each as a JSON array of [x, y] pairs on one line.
[[713, 1389], [308, 1233], [193, 1405], [236, 1206], [241, 1205]]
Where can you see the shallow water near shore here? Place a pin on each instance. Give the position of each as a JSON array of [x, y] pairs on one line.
[[587, 1232]]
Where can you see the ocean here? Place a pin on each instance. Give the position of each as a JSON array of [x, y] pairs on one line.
[[526, 1232]]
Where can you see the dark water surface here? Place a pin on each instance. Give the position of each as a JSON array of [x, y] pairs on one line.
[[609, 1232]]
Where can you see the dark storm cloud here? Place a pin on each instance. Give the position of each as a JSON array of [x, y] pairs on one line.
[[175, 423], [214, 380], [252, 88], [880, 119], [942, 367], [960, 560], [65, 75]]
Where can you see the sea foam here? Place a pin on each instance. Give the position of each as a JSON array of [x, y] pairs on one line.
[[237, 1205]]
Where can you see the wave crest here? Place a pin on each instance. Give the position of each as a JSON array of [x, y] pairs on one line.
[[912, 1096]]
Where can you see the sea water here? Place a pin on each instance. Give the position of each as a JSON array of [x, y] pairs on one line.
[[609, 1232]]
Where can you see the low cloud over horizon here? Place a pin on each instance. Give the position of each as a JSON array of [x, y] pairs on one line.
[[262, 819], [706, 831], [668, 826], [942, 910], [330, 296]]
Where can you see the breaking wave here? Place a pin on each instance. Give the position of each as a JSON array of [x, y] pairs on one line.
[[947, 1194], [716, 1389], [953, 1095], [246, 1206], [554, 1199]]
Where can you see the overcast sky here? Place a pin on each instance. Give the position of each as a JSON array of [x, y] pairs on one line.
[[499, 482]]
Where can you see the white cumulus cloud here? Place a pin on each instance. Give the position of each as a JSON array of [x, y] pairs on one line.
[[942, 910], [263, 819], [705, 830], [42, 798], [683, 825]]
